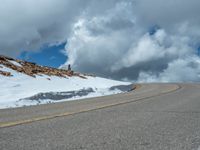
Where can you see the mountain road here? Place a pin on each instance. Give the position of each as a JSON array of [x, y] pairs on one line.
[[152, 117]]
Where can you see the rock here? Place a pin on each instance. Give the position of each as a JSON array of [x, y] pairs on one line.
[[4, 73], [32, 69]]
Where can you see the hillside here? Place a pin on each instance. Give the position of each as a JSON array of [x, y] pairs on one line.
[[32, 69], [23, 83]]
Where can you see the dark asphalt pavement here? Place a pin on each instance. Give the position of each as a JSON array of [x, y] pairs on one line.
[[153, 117]]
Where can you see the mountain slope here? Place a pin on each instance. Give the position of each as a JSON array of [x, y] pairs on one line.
[[24, 83]]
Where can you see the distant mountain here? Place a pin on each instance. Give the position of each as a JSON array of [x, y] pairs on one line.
[[24, 83]]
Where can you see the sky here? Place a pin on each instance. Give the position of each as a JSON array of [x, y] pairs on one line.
[[134, 40], [48, 55]]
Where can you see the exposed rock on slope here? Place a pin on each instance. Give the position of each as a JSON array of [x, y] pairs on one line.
[[32, 69]]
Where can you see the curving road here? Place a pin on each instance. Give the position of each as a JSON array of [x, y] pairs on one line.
[[154, 116]]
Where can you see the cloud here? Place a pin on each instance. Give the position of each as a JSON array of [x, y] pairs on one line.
[[183, 69], [117, 42], [27, 24], [137, 40]]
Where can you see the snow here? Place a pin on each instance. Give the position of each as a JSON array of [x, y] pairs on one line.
[[15, 63], [21, 86]]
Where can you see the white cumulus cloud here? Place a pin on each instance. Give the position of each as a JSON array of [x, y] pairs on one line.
[[139, 40]]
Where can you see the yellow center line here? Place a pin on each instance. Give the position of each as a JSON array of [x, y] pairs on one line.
[[27, 121]]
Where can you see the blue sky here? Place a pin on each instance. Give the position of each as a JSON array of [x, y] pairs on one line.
[[198, 50], [52, 56], [153, 29]]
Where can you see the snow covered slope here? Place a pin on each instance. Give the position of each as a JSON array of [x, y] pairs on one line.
[[23, 90]]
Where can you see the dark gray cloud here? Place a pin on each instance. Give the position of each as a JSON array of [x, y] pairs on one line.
[[27, 24]]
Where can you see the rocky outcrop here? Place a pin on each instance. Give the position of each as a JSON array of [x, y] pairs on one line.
[[32, 69], [5, 73]]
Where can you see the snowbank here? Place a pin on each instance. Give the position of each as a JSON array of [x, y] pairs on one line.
[[15, 90]]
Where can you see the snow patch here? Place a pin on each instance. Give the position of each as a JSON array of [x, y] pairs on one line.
[[15, 63]]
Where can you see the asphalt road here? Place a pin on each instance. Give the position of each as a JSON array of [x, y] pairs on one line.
[[154, 116]]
